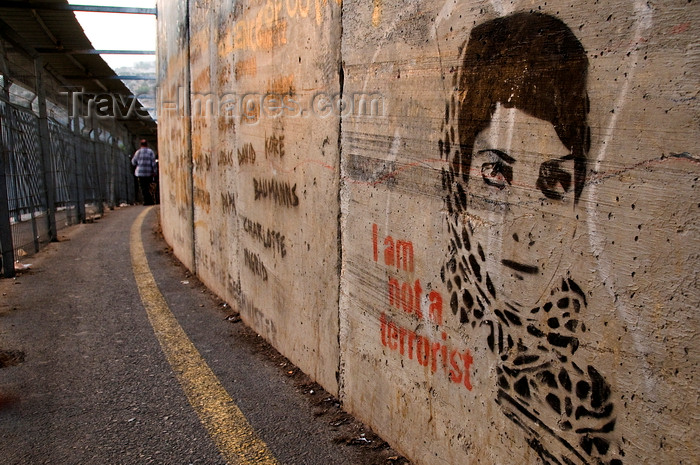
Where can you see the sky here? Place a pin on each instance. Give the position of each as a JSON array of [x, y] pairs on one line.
[[119, 31]]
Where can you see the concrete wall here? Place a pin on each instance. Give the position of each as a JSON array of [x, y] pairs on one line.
[[480, 233], [256, 221], [174, 130]]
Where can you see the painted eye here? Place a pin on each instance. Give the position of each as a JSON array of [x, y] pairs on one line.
[[497, 174], [553, 181]]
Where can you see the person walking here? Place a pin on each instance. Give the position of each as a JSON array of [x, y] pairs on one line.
[[145, 162]]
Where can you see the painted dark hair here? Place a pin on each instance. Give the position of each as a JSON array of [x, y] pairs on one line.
[[529, 61]]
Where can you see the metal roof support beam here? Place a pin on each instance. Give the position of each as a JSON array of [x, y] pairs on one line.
[[92, 51], [56, 42], [114, 78], [14, 39], [112, 191], [79, 170], [89, 8]]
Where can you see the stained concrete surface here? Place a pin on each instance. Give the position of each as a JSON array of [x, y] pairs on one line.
[[88, 382]]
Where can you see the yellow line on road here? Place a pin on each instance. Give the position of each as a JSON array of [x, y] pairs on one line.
[[224, 421]]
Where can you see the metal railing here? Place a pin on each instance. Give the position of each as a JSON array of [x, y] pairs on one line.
[[87, 172]]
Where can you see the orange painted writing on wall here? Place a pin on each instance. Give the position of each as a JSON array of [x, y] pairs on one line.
[[247, 67], [267, 27], [258, 35], [282, 85], [437, 355], [407, 296], [397, 253]]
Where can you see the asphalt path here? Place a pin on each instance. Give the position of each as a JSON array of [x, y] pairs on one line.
[[85, 380]]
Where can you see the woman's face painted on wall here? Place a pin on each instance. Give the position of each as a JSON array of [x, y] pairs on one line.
[[521, 204]]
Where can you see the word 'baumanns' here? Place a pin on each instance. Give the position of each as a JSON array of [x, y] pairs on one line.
[[280, 192]]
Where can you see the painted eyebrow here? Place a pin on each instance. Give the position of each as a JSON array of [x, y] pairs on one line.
[[502, 155]]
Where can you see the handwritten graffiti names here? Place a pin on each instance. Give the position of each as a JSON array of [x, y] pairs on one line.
[[228, 202], [274, 146], [203, 161], [247, 67], [225, 158], [269, 238], [281, 192], [255, 34], [201, 198], [246, 154], [259, 321], [267, 28], [255, 264]]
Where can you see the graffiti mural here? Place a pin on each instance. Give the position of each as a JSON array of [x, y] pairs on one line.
[[515, 142]]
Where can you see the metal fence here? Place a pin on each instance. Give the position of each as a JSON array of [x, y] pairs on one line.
[[87, 172]]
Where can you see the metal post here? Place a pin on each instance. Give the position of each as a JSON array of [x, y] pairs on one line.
[[98, 166], [73, 198], [113, 167], [6, 245], [47, 162], [92, 135], [79, 163]]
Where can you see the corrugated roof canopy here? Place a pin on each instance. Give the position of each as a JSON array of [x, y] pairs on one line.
[[50, 31]]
